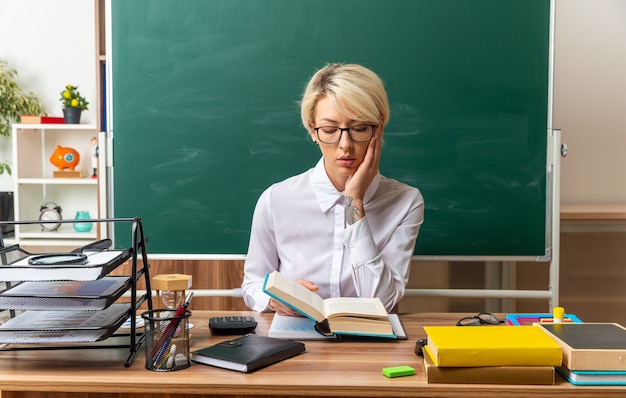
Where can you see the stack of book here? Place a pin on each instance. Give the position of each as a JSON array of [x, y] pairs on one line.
[[593, 353], [37, 119], [490, 355]]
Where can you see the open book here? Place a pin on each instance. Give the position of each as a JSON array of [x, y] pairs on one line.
[[303, 328], [336, 315]]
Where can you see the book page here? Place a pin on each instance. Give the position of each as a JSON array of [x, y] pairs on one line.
[[295, 295], [295, 328], [356, 306]]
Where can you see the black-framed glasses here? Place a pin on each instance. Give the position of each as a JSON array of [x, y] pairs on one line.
[[332, 134], [482, 318]]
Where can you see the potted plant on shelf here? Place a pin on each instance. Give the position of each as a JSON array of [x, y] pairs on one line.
[[73, 104], [13, 103]]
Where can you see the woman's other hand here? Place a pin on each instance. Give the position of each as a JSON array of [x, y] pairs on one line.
[[283, 309]]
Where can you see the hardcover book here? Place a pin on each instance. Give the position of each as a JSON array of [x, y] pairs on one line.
[[487, 374], [594, 377], [590, 346], [247, 353], [458, 346], [336, 315]]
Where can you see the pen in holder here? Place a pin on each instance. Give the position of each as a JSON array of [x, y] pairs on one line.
[[167, 338]]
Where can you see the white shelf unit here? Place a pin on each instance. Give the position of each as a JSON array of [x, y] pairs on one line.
[[35, 184]]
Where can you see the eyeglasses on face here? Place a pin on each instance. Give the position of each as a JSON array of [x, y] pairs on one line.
[[332, 134], [482, 318]]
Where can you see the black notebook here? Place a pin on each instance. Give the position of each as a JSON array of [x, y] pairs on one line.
[[247, 353]]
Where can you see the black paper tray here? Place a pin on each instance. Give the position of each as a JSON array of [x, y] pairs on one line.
[[51, 327], [15, 266], [65, 295]]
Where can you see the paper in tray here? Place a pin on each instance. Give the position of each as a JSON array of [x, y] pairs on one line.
[[48, 327], [65, 295], [99, 264]]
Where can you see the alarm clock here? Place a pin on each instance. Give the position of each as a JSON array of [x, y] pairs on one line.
[[50, 212]]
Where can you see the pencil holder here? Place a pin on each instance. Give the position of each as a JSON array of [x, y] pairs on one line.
[[166, 340]]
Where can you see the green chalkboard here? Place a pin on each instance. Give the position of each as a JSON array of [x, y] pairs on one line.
[[205, 113]]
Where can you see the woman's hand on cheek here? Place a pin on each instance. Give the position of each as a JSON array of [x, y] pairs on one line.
[[357, 184]]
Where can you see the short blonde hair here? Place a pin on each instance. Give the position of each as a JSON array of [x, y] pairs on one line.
[[354, 90]]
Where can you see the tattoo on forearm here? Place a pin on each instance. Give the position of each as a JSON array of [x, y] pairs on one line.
[[352, 211]]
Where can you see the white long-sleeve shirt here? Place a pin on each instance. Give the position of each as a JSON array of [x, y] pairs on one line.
[[299, 228]]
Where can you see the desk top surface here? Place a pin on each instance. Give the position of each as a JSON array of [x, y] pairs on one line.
[[349, 368], [593, 212]]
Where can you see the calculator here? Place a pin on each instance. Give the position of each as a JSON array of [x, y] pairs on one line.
[[232, 324]]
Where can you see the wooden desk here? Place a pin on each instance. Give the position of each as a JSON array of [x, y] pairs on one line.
[[325, 369]]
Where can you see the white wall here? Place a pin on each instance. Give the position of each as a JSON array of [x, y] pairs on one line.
[[590, 99], [50, 43]]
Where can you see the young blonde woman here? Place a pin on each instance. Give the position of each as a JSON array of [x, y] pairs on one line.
[[341, 228]]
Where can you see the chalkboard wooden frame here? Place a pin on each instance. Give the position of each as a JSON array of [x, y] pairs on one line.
[[204, 114]]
